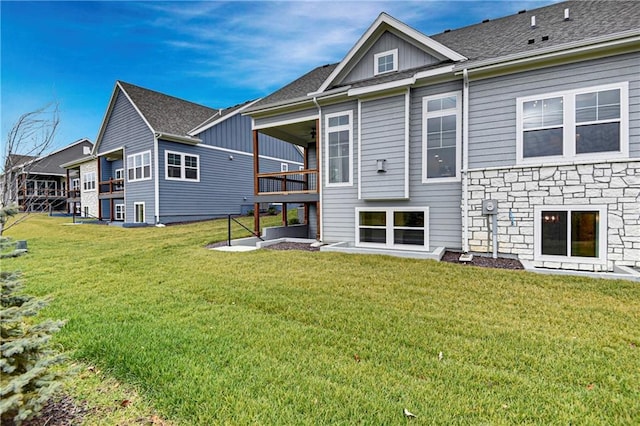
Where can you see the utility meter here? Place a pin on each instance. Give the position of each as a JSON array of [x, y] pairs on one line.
[[489, 207]]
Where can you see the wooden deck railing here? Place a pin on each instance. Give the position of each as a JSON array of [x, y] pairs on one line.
[[110, 186], [301, 182]]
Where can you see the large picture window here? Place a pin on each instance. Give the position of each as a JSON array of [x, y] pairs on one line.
[[139, 166], [586, 123], [441, 137], [180, 166], [571, 233], [401, 228], [339, 148]]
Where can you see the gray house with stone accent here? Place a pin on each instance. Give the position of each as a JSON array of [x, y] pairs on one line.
[[161, 159], [518, 136]]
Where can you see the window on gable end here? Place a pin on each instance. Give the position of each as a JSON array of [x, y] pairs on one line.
[[385, 62]]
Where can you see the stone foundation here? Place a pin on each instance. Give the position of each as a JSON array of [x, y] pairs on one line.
[[520, 189]]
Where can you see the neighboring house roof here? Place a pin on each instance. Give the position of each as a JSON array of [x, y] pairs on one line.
[[164, 113], [479, 43], [50, 164], [167, 115]]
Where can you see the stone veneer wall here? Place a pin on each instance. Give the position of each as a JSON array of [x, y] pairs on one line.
[[89, 198], [614, 184]]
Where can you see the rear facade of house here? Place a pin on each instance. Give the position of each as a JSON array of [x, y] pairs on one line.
[[530, 122]]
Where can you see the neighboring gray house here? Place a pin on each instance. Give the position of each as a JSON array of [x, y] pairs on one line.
[[39, 184], [161, 159], [417, 142]]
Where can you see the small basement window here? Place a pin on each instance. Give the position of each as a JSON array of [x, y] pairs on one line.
[[397, 228]]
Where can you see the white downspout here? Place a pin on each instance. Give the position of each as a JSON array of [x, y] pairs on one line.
[[465, 161], [156, 181], [318, 150]]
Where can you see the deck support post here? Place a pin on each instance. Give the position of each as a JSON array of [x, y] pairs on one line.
[[285, 221], [256, 183]]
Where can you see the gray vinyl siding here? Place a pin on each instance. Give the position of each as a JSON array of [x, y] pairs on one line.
[[442, 199], [409, 56], [338, 203], [383, 138], [492, 104], [235, 133], [292, 116], [225, 184], [125, 127]]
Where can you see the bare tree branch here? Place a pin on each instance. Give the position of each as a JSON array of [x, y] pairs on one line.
[[29, 138]]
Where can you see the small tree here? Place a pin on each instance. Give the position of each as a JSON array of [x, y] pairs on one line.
[[27, 381], [30, 137]]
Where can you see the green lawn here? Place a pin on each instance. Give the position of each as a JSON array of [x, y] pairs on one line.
[[286, 337]]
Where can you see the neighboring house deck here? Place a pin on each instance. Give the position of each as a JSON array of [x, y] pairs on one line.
[[39, 184], [415, 143], [161, 159]]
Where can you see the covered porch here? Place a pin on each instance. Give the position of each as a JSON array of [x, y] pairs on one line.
[[289, 187]]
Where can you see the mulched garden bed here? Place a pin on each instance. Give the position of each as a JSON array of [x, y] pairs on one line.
[[484, 261], [61, 411]]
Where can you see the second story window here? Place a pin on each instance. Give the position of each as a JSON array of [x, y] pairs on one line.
[[180, 166], [89, 181], [385, 62], [339, 148], [139, 166]]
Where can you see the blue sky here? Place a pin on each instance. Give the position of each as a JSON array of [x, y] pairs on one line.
[[214, 53]]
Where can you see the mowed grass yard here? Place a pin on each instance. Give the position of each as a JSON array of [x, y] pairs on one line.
[[290, 337]]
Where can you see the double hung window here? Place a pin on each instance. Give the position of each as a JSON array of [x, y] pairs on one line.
[[89, 181], [182, 166]]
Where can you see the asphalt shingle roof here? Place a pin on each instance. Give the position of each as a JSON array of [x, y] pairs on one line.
[[167, 114], [498, 38], [299, 88], [511, 34]]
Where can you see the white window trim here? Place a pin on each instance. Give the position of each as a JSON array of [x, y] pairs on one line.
[[120, 172], [182, 166], [569, 126], [88, 180], [123, 211], [135, 213], [75, 184], [141, 154], [348, 127], [425, 116], [284, 167], [602, 234], [394, 53], [390, 228]]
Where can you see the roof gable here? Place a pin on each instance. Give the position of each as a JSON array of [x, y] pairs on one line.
[[387, 24], [162, 114]]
